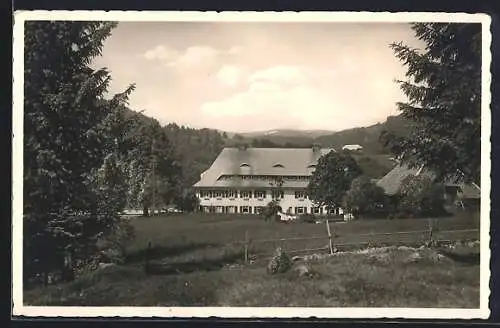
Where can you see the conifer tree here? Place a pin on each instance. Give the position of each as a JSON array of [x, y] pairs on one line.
[[444, 100], [70, 164]]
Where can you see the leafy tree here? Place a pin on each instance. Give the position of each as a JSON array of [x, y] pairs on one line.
[[154, 172], [365, 198], [187, 201], [70, 172], [332, 178], [420, 196], [444, 100], [277, 191]]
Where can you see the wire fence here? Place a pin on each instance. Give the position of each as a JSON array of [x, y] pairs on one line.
[[334, 242]]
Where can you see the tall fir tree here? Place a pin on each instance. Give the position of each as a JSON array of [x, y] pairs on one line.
[[69, 161], [444, 100]]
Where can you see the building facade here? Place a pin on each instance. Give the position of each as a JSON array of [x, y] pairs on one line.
[[244, 180]]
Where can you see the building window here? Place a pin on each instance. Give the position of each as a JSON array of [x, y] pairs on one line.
[[246, 209], [219, 209], [316, 210], [218, 194], [231, 194], [245, 194], [205, 194], [300, 210], [260, 194], [231, 209], [300, 194]]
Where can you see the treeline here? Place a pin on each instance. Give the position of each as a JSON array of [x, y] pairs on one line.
[[196, 149]]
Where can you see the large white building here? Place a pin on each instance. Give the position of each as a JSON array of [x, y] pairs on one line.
[[242, 180]]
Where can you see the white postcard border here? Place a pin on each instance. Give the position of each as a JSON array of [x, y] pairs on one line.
[[247, 312]]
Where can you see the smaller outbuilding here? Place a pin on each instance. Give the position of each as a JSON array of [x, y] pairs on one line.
[[352, 147]]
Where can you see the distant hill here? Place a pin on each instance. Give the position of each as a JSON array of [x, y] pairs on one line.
[[286, 133], [368, 137]]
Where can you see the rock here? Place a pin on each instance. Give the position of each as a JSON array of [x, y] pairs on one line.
[[302, 270], [106, 265], [413, 257], [379, 258]]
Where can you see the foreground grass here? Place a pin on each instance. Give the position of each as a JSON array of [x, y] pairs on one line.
[[192, 254], [200, 237], [352, 280]]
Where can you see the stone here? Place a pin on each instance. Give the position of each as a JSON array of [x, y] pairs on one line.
[[302, 270]]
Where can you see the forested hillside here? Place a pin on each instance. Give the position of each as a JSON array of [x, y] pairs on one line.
[[368, 137]]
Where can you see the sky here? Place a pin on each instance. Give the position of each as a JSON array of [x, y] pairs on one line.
[[243, 77]]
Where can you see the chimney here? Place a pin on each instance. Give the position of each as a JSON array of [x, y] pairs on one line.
[[316, 147]]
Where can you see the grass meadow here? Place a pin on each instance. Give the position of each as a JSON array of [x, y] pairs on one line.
[[200, 262]]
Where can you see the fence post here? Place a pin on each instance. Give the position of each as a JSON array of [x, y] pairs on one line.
[[147, 258], [430, 232], [246, 246], [329, 236]]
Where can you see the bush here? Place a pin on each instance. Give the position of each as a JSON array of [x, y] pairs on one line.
[[270, 212], [420, 196], [280, 262], [307, 218], [365, 199], [114, 248]]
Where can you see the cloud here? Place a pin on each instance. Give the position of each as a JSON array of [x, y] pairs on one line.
[[190, 57], [234, 50], [283, 89], [197, 55], [231, 75], [160, 52], [281, 74], [300, 97]]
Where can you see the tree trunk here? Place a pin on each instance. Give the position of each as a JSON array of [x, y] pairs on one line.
[[145, 211]]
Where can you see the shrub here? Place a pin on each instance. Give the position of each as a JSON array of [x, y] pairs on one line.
[[365, 198], [114, 248], [420, 196], [270, 212], [307, 218], [280, 262]]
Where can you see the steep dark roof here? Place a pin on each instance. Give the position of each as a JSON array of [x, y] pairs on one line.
[[261, 161], [392, 181]]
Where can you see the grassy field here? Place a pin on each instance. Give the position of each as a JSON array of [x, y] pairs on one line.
[[201, 259]]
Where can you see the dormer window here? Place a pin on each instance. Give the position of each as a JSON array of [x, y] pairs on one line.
[[312, 166], [244, 165], [278, 165]]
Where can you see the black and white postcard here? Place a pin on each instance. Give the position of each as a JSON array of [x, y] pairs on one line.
[[245, 164]]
